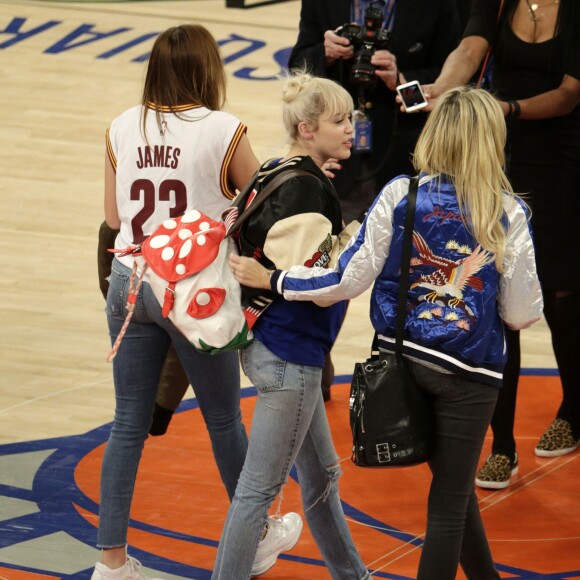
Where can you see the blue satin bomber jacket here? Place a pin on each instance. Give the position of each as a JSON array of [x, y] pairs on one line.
[[457, 303]]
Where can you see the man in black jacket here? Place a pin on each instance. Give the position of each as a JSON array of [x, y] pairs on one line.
[[421, 33]]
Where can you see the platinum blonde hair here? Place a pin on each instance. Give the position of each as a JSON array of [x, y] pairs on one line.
[[464, 139], [305, 98]]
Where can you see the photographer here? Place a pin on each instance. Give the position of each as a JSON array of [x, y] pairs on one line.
[[419, 36]]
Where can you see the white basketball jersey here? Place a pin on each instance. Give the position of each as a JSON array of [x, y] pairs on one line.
[[181, 167]]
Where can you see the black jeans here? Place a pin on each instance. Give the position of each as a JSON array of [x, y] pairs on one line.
[[455, 532]]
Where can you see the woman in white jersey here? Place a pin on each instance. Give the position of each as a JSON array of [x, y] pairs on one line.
[[174, 152]]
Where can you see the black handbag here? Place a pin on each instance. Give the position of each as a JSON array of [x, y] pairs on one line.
[[392, 419]]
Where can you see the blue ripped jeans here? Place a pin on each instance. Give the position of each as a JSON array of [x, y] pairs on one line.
[[289, 426], [136, 371]]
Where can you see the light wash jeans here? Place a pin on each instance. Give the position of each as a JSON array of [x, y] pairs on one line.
[[136, 370], [289, 426], [455, 532]]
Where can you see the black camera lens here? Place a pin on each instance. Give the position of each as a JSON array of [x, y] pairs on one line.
[[363, 72], [366, 40]]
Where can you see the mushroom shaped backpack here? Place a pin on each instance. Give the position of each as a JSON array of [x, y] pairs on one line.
[[185, 260]]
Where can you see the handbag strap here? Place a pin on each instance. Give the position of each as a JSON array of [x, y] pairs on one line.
[[404, 278], [405, 264], [262, 195]]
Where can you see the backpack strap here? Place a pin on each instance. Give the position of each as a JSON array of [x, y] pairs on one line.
[[135, 283], [262, 195]]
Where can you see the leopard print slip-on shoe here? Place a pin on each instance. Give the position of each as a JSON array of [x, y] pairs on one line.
[[557, 440]]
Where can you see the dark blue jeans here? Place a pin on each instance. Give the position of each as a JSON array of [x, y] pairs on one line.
[[455, 532], [136, 371]]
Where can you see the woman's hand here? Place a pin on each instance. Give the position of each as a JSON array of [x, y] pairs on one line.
[[330, 166], [249, 272], [430, 95]]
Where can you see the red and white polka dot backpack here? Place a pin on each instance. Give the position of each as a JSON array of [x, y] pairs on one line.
[[185, 260], [189, 274]]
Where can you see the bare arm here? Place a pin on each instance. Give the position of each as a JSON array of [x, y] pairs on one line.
[[458, 69], [111, 212], [243, 165], [461, 64], [555, 103]]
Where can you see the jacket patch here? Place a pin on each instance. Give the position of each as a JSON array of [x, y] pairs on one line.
[[321, 258], [445, 285]]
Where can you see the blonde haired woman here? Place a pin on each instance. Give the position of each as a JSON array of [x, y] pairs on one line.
[[285, 359], [473, 271]]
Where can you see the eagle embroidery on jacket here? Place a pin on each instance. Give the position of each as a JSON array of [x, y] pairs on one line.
[[450, 277]]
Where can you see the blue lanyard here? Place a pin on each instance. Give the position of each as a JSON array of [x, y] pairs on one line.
[[358, 8]]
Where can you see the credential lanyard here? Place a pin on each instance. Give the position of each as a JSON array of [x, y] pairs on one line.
[[358, 8]]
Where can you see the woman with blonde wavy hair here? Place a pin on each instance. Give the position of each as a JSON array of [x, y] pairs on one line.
[[472, 273], [465, 141]]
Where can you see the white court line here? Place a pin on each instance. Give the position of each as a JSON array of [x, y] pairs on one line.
[[504, 496], [44, 235], [49, 395], [56, 393], [393, 560], [491, 497], [558, 466]]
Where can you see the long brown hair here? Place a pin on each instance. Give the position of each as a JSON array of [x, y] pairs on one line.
[[185, 68]]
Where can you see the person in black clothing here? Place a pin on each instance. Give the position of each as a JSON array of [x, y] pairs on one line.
[[422, 34], [536, 75]]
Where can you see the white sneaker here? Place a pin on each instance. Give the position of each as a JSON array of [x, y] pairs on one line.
[[130, 571], [282, 534]]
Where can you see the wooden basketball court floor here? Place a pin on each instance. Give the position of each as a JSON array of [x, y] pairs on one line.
[[66, 70]]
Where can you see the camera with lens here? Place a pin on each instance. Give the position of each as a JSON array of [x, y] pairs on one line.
[[366, 39]]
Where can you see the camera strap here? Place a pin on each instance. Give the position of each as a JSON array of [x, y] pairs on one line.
[[358, 8], [367, 14]]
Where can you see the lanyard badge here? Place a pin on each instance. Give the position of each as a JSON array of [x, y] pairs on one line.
[[363, 134]]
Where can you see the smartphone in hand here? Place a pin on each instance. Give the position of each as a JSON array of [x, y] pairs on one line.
[[412, 96]]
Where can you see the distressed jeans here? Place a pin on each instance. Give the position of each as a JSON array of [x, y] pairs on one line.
[[136, 371], [289, 426]]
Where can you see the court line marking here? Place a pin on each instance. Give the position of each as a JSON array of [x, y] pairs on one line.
[[53, 394], [68, 390], [487, 501], [544, 473], [493, 501]]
